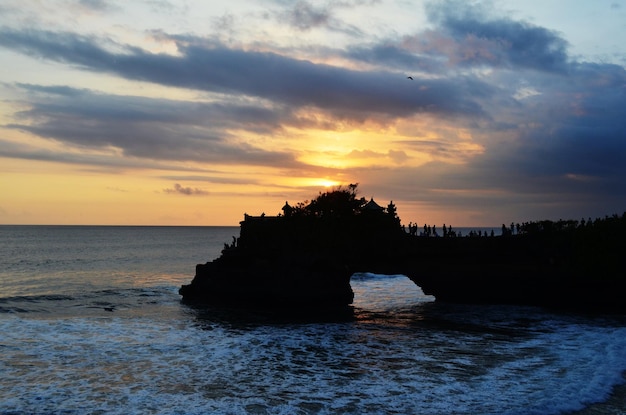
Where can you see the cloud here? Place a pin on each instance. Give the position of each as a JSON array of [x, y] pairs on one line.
[[148, 128], [466, 36], [215, 179], [116, 189], [560, 152], [544, 129], [187, 191], [397, 156], [96, 5], [278, 78], [304, 16], [470, 36], [578, 127], [394, 54], [92, 161]]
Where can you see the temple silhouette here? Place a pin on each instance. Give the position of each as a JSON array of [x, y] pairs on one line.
[[304, 258]]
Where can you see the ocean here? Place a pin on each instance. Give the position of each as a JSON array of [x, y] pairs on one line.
[[91, 323]]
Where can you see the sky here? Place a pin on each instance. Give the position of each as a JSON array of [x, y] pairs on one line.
[[163, 112]]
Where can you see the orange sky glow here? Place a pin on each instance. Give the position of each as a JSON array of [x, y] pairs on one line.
[[130, 114]]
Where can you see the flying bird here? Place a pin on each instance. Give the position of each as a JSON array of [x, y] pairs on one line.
[[409, 77]]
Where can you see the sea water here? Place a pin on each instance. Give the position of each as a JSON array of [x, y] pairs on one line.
[[91, 323]]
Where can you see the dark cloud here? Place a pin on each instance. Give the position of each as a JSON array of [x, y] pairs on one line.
[[562, 153], [578, 124], [467, 36], [53, 101], [304, 16], [479, 39], [156, 129], [89, 161], [267, 75], [62, 90], [187, 191], [559, 152], [392, 54]]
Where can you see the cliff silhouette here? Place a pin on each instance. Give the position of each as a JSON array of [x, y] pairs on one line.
[[305, 256]]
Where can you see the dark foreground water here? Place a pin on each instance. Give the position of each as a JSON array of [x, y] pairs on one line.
[[91, 322]]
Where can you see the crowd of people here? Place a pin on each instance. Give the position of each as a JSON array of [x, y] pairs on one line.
[[432, 231], [517, 228]]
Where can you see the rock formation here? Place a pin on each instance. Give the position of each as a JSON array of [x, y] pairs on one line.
[[304, 258]]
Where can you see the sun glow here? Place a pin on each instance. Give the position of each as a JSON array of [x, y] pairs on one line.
[[327, 183], [311, 182]]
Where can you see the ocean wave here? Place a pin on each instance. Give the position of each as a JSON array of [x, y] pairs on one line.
[[168, 366], [103, 300]]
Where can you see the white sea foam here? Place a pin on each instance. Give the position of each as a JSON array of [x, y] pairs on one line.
[[125, 365], [85, 330]]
